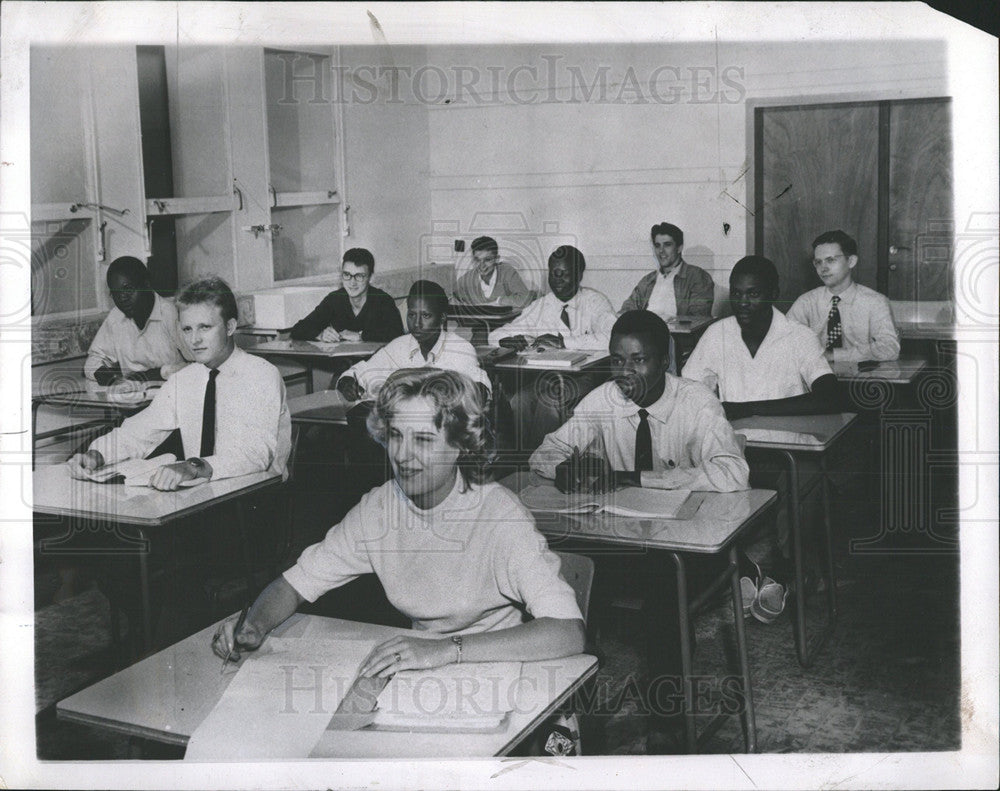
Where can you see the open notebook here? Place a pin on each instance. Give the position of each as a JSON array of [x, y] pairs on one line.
[[631, 501], [135, 472], [548, 358]]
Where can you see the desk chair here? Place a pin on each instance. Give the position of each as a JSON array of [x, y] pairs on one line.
[[560, 734]]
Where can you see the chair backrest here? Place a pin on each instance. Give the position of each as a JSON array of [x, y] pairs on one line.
[[578, 571]]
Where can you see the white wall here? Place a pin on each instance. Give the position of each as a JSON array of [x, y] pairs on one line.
[[605, 171]]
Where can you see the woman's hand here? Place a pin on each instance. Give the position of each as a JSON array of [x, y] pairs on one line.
[[226, 644], [408, 653]]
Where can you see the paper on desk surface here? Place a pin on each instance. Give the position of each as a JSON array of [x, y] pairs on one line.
[[451, 693], [632, 501], [280, 700]]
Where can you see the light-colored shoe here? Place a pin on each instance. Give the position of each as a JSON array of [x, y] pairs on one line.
[[770, 601], [748, 591]]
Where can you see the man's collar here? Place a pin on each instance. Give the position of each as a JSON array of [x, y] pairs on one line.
[[660, 408], [845, 296], [675, 271]]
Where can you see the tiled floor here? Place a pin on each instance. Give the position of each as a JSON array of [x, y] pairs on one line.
[[887, 680]]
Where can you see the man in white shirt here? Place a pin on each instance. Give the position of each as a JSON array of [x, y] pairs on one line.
[[569, 317], [853, 322], [428, 345], [229, 407], [139, 337]]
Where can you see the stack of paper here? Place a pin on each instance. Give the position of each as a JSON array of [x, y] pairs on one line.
[[631, 501], [466, 697]]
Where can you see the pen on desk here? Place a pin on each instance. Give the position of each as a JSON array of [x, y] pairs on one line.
[[239, 624]]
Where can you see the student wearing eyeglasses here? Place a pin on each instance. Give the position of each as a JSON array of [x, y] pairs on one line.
[[357, 311], [853, 322]]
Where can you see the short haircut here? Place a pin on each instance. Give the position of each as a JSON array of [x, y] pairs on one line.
[[210, 291], [847, 245], [361, 257], [757, 265], [459, 412], [670, 230], [132, 269], [485, 243], [571, 256], [432, 292], [648, 325]]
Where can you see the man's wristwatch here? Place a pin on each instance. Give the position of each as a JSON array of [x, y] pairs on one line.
[[197, 464]]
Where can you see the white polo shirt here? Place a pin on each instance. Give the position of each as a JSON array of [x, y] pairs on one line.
[[788, 361]]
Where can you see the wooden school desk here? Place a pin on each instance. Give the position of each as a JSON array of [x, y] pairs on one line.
[[167, 695], [685, 331], [307, 352], [715, 528], [481, 319], [894, 372], [807, 436], [66, 386], [97, 506]]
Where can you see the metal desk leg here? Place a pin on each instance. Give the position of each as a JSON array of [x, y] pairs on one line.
[[147, 609], [309, 377], [831, 571], [683, 616], [34, 427], [805, 650], [749, 716]]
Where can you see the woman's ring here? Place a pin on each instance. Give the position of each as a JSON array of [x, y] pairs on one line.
[[398, 658]]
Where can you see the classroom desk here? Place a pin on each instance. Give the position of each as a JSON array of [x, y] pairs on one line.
[[685, 332], [809, 436], [326, 407], [69, 388], [307, 352], [895, 372], [715, 528], [481, 319], [167, 695], [518, 363], [95, 505]]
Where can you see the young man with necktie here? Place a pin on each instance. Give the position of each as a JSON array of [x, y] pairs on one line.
[[229, 406], [570, 316], [647, 427], [853, 322]]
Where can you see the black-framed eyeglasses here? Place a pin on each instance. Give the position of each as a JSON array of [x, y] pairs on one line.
[[356, 277]]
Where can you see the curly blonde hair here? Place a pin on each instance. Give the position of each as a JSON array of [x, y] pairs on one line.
[[459, 412]]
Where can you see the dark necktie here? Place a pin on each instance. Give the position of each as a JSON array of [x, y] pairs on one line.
[[208, 416], [643, 443], [565, 317], [834, 330]]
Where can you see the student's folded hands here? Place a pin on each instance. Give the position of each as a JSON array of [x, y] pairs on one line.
[[587, 473], [408, 653], [550, 341], [516, 342], [170, 476]]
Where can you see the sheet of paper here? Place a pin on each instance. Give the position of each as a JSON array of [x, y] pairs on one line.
[[648, 503], [547, 498], [469, 695], [280, 701]]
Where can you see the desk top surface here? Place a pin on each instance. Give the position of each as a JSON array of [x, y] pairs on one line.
[[719, 519], [316, 348], [65, 387], [809, 433], [325, 406], [167, 695], [686, 325], [902, 371], [58, 494], [538, 363]]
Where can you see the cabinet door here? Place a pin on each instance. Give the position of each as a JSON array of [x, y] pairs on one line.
[[920, 230], [817, 170]]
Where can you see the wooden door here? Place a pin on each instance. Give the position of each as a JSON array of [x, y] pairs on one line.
[[817, 171], [920, 225], [881, 171]]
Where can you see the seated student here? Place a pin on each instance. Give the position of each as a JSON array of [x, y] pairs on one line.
[[760, 363], [675, 287], [229, 406], [491, 281], [647, 428], [139, 338], [356, 311], [853, 322], [568, 317], [427, 344], [461, 558]]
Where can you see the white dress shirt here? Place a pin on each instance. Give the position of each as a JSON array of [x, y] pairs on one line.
[[788, 361], [489, 284], [252, 426], [694, 446], [451, 352], [120, 342], [591, 318], [869, 332], [663, 300]]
